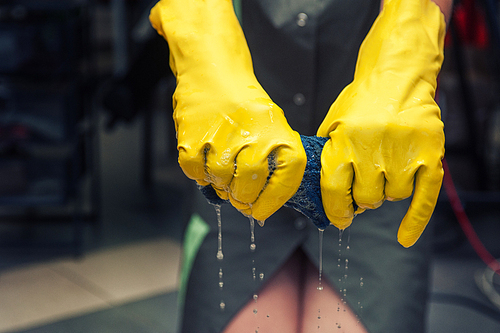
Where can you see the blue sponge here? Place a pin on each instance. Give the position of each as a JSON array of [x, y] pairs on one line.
[[307, 199]]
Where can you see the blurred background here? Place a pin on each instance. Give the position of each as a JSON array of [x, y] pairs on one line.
[[92, 201]]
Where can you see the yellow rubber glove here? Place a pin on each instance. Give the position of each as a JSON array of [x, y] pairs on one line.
[[385, 128], [228, 129]]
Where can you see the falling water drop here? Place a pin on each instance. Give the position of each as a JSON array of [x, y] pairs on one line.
[[320, 286], [252, 233], [220, 255], [261, 276]]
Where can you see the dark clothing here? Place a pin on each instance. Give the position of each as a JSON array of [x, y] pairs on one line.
[[304, 54]]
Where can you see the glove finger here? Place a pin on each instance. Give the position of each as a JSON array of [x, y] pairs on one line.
[[427, 186], [220, 165], [399, 186], [192, 163], [221, 193], [368, 186], [288, 169], [250, 176], [336, 181]]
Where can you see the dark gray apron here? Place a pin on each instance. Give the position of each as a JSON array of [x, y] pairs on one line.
[[304, 54]]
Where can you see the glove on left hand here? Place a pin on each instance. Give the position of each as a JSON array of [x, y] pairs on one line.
[[385, 127]]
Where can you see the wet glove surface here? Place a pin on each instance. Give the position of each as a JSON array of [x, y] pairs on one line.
[[227, 126], [385, 127], [307, 199]]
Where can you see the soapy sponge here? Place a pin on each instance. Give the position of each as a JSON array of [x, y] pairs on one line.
[[307, 199]]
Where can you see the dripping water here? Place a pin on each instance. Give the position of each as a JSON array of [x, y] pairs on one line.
[[320, 286], [220, 255], [346, 264], [252, 234], [221, 282], [360, 306], [252, 249]]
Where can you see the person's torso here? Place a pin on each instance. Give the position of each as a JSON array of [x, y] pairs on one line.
[[304, 51]]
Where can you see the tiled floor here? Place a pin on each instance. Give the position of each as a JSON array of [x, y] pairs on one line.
[[53, 291]]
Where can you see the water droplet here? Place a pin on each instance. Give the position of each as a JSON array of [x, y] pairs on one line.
[[252, 247], [221, 284], [267, 316], [339, 326], [361, 284], [320, 287], [255, 311], [261, 276], [255, 296], [222, 305], [252, 229], [220, 256], [220, 273]]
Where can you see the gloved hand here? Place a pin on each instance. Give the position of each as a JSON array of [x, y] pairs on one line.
[[385, 128], [230, 133]]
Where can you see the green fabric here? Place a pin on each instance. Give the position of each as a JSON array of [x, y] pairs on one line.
[[237, 9], [195, 233]]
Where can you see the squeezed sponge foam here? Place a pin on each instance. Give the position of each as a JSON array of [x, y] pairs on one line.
[[307, 199]]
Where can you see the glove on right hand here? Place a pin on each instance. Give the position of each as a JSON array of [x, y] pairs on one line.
[[228, 129]]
